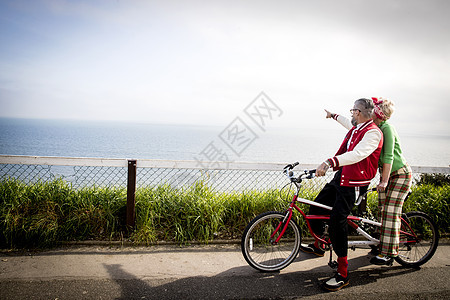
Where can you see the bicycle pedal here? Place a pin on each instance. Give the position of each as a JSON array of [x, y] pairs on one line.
[[333, 264]]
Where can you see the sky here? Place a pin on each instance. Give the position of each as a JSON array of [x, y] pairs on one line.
[[204, 62]]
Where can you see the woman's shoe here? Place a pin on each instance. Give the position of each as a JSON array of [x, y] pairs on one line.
[[382, 260]]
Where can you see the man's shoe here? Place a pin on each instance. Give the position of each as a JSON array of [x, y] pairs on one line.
[[311, 248], [335, 283], [382, 260]]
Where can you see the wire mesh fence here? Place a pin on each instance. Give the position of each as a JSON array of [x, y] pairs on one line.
[[223, 180], [77, 176], [179, 175]]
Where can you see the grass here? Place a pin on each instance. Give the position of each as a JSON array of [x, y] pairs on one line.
[[41, 214], [46, 213]]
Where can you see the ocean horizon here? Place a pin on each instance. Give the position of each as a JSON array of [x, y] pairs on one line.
[[108, 139]]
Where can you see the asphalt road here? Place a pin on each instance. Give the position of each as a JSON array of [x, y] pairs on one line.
[[206, 272]]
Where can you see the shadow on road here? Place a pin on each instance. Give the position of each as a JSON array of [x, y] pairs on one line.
[[244, 283]]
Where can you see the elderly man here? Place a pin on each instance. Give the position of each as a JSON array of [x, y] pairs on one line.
[[356, 164]]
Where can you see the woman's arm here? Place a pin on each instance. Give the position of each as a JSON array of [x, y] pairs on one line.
[[384, 177], [388, 156]]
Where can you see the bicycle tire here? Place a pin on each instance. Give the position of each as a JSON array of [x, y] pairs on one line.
[[258, 248], [419, 239]]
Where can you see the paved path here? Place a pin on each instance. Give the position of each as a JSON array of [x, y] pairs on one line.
[[205, 272]]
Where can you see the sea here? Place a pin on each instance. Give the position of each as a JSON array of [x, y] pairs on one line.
[[247, 143]]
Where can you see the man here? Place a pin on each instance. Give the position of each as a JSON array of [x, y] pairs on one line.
[[356, 162]]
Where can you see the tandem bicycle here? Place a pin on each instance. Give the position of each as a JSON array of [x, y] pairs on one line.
[[271, 241]]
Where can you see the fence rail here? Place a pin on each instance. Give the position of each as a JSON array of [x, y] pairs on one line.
[[113, 172]]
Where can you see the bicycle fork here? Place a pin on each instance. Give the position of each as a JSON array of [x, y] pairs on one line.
[[283, 226], [285, 222]]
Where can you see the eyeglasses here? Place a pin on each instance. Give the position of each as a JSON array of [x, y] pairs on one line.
[[354, 109]]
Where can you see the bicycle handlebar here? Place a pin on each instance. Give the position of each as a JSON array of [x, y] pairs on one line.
[[307, 174], [291, 166], [290, 174]]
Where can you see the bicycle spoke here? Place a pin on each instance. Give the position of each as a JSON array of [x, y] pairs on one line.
[[418, 239], [258, 245]]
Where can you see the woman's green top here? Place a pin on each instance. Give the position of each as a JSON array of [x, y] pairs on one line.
[[391, 153]]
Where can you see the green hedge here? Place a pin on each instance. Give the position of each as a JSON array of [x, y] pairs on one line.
[[43, 214]]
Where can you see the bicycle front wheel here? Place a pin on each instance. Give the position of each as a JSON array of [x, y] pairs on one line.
[[258, 242], [419, 238]]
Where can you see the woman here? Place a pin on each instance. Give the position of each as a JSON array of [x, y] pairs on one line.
[[395, 182]]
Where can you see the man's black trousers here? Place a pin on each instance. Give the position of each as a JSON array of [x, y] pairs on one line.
[[342, 199]]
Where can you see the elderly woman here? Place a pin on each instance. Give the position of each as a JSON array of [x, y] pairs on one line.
[[395, 182]]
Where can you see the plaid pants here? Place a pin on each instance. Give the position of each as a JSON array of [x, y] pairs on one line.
[[390, 203]]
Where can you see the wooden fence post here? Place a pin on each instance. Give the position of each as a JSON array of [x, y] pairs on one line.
[[131, 194]]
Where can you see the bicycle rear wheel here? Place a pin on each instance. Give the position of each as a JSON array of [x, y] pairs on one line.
[[419, 238], [258, 242]]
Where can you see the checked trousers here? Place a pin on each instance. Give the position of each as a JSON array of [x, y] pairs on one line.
[[390, 203]]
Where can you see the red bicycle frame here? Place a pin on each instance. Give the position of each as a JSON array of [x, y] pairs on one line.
[[350, 222]]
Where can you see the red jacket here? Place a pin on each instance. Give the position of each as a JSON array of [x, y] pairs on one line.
[[362, 172]]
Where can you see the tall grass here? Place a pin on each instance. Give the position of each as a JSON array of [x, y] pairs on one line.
[[164, 213], [45, 213], [198, 213]]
